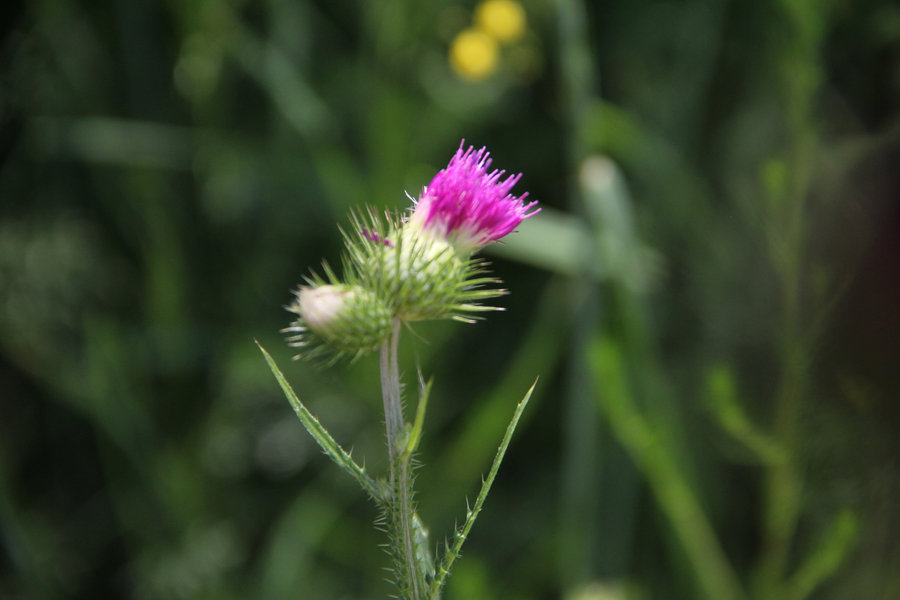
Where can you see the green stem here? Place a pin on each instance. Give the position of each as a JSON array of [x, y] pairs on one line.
[[390, 391], [400, 507]]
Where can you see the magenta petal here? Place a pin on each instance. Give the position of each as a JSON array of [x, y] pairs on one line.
[[468, 204]]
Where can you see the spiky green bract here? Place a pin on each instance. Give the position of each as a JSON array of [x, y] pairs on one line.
[[337, 319], [419, 275]]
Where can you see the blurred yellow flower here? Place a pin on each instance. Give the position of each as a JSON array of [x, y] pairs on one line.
[[473, 54], [504, 20]]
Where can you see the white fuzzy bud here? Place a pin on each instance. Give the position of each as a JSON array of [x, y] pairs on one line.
[[348, 320]]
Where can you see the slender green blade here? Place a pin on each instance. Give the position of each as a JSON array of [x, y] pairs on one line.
[[452, 552], [416, 434], [321, 435], [827, 555]]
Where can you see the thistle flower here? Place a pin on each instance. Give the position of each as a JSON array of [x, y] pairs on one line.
[[413, 269], [467, 205], [343, 319], [398, 270]]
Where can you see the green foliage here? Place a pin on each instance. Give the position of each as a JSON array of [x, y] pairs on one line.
[[170, 170], [412, 578]]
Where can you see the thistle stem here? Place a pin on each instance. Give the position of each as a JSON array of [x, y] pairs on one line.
[[390, 391], [400, 509]]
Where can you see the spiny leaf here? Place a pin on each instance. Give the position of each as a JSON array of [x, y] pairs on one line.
[[416, 433], [452, 552], [321, 435]]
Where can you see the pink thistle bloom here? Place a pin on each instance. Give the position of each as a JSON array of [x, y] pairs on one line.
[[468, 205]]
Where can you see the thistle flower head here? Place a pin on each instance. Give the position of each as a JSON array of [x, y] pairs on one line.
[[414, 269], [338, 319], [468, 205]]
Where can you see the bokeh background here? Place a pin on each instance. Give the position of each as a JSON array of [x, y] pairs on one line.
[[710, 295]]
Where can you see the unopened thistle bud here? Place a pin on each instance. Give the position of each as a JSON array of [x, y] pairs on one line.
[[346, 320]]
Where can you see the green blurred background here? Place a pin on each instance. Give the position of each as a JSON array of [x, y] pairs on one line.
[[710, 296]]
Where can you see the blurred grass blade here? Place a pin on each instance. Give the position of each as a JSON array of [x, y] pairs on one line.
[[471, 514], [279, 77], [827, 556], [118, 142], [692, 528], [609, 208], [553, 240], [321, 435], [721, 398]]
